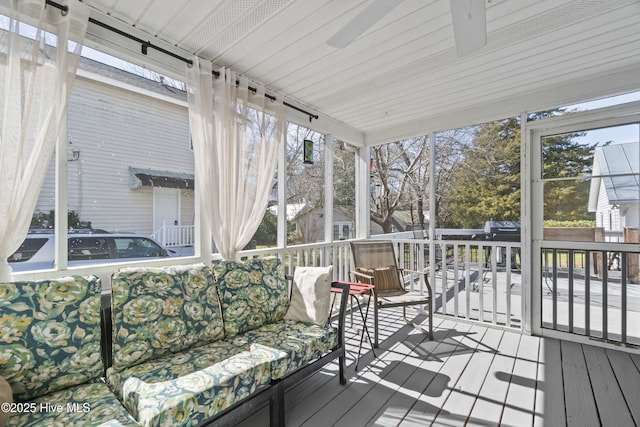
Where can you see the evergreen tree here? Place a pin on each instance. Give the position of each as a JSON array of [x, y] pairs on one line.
[[486, 184]]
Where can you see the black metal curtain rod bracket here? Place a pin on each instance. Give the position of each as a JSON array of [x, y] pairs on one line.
[[145, 45], [63, 8]]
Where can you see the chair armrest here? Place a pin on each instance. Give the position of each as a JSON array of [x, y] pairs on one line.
[[342, 311], [423, 273], [364, 278]]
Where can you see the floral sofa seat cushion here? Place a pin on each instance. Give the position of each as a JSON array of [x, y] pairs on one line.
[[189, 387], [253, 293], [49, 334], [91, 404], [163, 310], [302, 342]]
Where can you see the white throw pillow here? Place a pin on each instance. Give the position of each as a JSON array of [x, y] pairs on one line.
[[311, 295]]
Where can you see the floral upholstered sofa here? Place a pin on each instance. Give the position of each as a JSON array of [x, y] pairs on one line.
[[183, 345], [50, 340]]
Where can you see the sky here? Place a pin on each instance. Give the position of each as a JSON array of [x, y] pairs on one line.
[[618, 134]]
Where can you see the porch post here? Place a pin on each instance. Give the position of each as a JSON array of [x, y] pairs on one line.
[[362, 193], [282, 192], [328, 190], [432, 211], [526, 201], [61, 202]]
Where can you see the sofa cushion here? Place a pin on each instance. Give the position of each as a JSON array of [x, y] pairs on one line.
[[253, 293], [189, 387], [301, 342], [90, 404], [162, 310], [49, 334]]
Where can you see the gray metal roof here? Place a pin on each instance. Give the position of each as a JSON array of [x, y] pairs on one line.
[[157, 178], [618, 165]]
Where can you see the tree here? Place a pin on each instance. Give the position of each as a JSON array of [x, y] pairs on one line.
[[267, 232], [486, 183], [394, 164], [564, 157]]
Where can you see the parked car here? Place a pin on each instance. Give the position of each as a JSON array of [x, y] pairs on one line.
[[92, 247]]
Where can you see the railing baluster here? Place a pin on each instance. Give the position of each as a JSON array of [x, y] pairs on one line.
[[587, 293], [570, 255], [623, 302], [455, 279], [554, 275], [510, 257], [605, 299], [467, 282]]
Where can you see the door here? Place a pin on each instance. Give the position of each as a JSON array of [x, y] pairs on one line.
[[166, 215], [585, 199]]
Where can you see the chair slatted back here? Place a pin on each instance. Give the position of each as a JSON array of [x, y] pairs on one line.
[[377, 258]]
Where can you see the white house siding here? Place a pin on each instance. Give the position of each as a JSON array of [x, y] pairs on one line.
[[607, 215], [115, 128]]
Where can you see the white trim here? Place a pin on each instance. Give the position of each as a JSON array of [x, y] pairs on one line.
[[88, 75]]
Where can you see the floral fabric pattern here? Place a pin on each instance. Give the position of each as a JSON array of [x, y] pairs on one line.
[[49, 334], [92, 404], [192, 386], [301, 342], [163, 310], [253, 293]]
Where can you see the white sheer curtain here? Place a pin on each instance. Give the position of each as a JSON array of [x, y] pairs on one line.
[[236, 133], [39, 52]]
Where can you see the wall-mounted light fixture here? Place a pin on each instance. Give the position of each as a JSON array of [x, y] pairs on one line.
[[75, 155], [308, 152]]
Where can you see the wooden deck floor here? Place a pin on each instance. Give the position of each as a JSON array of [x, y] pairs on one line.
[[469, 375]]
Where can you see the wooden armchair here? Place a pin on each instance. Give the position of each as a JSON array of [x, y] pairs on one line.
[[375, 263]]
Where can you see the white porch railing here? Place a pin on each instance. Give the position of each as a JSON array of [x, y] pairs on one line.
[[474, 280], [592, 291], [481, 281], [174, 235]]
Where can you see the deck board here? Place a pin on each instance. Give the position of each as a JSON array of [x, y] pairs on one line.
[[490, 402], [610, 401], [520, 403], [427, 372], [463, 397], [435, 395], [628, 377], [579, 400], [468, 375], [550, 401]]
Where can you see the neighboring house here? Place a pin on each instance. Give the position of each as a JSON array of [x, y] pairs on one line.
[[615, 189], [310, 225], [130, 157]]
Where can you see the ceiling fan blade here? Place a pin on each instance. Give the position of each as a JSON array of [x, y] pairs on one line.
[[469, 25], [362, 22]]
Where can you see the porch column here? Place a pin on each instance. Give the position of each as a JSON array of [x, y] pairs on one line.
[[363, 180], [328, 189], [61, 202], [282, 193]]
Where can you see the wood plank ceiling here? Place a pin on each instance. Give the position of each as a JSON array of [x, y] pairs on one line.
[[402, 77]]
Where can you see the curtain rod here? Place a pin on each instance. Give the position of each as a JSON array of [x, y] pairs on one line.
[[145, 45]]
